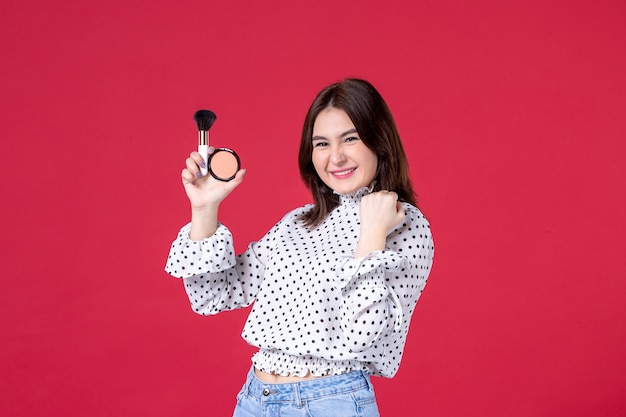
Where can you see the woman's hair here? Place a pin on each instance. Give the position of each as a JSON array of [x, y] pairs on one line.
[[376, 128]]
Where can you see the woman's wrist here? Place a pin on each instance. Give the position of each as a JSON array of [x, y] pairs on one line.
[[369, 242], [203, 222]]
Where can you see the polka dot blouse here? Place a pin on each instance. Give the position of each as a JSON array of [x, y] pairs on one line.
[[316, 308]]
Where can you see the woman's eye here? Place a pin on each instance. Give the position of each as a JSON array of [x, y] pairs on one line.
[[319, 144], [351, 139]]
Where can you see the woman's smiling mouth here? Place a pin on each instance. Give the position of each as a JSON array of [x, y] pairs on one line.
[[343, 173]]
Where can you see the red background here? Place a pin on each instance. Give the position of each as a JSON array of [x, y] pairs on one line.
[[514, 119]]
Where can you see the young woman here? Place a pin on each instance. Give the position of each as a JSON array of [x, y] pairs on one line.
[[334, 283]]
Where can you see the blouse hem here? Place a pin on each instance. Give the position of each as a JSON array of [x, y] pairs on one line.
[[283, 364]]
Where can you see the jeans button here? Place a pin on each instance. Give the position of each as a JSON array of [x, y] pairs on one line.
[[266, 392]]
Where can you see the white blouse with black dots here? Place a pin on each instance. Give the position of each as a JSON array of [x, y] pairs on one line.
[[316, 308]]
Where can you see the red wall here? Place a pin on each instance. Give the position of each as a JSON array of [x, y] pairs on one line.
[[514, 118]]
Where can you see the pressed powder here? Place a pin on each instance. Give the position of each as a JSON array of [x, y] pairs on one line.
[[223, 164]]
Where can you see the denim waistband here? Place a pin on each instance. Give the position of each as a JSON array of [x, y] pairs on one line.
[[297, 392]]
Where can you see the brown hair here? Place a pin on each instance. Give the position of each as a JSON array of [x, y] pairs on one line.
[[376, 128]]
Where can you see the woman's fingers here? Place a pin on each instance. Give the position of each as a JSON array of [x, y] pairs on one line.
[[193, 164], [187, 176], [381, 210]]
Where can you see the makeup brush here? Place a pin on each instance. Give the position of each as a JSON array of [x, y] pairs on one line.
[[204, 120]]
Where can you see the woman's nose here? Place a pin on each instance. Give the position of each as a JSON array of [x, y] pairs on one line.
[[337, 156]]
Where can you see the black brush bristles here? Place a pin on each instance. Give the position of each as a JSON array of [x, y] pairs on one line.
[[204, 119]]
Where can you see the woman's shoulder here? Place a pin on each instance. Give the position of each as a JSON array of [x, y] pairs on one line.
[[413, 213], [295, 215], [415, 221]]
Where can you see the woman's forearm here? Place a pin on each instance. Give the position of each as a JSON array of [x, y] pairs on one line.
[[203, 222]]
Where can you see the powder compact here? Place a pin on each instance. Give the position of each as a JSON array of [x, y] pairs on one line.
[[223, 164]]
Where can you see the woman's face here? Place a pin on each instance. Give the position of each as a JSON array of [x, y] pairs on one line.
[[340, 157]]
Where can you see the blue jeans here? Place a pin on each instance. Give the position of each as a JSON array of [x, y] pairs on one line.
[[347, 395]]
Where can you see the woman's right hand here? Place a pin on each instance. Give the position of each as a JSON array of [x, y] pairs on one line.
[[206, 192]]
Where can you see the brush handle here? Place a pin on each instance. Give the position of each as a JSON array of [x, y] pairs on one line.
[[203, 150]]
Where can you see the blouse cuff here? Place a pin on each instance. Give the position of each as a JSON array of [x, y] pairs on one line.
[[348, 269], [190, 257]]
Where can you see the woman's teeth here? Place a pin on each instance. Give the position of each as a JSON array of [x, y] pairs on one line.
[[347, 171]]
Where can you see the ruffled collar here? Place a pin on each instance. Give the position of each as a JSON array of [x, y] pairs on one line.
[[356, 196]]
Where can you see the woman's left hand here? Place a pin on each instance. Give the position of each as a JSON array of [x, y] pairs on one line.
[[380, 213]]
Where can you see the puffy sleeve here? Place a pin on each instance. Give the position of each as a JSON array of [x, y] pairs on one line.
[[215, 278], [380, 290]]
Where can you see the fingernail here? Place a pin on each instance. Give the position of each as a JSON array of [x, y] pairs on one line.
[[198, 175], [244, 172], [202, 164]]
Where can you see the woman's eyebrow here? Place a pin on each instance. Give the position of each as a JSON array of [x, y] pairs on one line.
[[346, 133]]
